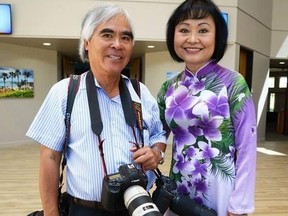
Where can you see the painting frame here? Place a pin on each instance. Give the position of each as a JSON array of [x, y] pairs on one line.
[[16, 82]]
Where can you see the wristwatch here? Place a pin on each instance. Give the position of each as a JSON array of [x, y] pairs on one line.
[[161, 153]]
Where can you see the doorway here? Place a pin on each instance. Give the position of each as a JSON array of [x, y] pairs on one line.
[[246, 65], [277, 110]]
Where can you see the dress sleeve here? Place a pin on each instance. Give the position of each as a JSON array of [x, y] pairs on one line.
[[244, 122], [162, 107]]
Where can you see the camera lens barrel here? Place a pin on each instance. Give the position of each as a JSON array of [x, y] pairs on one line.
[[139, 203]]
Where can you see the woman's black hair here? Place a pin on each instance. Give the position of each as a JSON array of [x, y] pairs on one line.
[[198, 9]]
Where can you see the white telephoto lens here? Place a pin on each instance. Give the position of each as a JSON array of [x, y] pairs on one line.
[[139, 203]]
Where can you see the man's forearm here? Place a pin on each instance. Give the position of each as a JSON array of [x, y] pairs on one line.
[[49, 180]]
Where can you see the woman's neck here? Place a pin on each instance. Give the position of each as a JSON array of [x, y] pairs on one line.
[[195, 68]]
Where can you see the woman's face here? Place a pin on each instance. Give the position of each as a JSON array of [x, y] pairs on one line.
[[194, 41]]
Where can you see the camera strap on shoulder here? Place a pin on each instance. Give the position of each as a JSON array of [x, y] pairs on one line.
[[137, 107], [73, 88], [95, 116]]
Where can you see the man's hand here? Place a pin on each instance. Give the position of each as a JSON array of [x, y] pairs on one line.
[[147, 157]]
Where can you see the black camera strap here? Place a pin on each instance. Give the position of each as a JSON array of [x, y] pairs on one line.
[[95, 115], [73, 87]]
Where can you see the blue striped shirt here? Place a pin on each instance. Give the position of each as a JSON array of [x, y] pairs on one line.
[[84, 165]]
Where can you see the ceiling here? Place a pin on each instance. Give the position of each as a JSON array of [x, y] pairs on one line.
[[69, 47]]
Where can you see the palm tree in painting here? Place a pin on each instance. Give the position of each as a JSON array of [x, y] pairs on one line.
[[12, 76], [4, 76], [26, 75], [17, 74]]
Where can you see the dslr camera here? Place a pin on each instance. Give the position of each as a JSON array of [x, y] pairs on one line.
[[165, 196], [125, 190]]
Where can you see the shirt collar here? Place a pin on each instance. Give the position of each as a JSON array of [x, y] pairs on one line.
[[134, 95]]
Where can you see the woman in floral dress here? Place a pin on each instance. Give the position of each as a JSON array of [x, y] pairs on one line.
[[210, 112]]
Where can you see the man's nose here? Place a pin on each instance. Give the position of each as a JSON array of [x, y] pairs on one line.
[[117, 43]]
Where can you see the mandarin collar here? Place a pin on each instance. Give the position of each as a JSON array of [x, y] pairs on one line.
[[203, 70]]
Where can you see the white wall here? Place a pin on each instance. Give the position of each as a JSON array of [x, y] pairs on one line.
[[258, 9], [156, 66], [260, 90], [17, 114], [280, 16], [252, 33], [62, 19], [279, 45]]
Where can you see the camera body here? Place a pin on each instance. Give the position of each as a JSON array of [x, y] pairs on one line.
[[164, 193], [116, 184], [165, 196]]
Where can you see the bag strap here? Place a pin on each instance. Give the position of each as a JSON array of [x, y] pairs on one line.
[[136, 86], [137, 106], [138, 110], [73, 87]]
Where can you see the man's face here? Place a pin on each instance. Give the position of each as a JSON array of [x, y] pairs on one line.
[[110, 47]]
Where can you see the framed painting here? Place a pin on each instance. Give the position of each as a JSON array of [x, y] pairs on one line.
[[16, 83]]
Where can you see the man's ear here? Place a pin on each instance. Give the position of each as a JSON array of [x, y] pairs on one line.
[[86, 43]]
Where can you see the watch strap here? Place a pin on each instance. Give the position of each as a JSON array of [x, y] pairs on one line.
[[161, 153]]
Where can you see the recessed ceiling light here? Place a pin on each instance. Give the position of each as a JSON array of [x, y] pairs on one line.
[[47, 44], [282, 62], [151, 46]]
